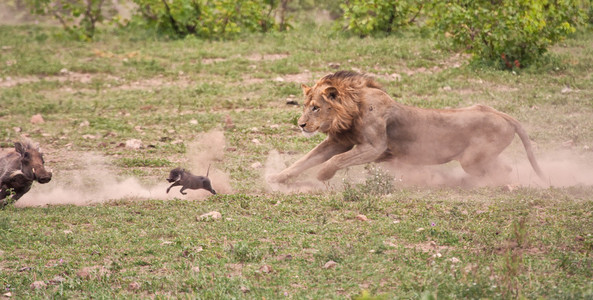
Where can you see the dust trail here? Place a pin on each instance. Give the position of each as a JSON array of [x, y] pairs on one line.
[[562, 169], [93, 179], [208, 150], [277, 162]]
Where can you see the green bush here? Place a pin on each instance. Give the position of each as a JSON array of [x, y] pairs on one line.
[[78, 17], [367, 17], [509, 33], [380, 182], [206, 18]]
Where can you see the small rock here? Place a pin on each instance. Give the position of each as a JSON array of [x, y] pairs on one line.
[[57, 280], [7, 295], [566, 90], [334, 65], [196, 269], [193, 122], [84, 273], [285, 257], [330, 264], [266, 269], [134, 286], [133, 144], [228, 122], [292, 100], [38, 285], [256, 165], [396, 76], [279, 79], [244, 289], [454, 260], [17, 129], [508, 188], [446, 88], [420, 229], [214, 215], [88, 137], [64, 71], [37, 119], [362, 218], [256, 141]]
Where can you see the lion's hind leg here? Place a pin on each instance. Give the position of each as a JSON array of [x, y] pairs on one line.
[[490, 171]]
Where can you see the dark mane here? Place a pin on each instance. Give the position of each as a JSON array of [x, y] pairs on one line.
[[349, 79], [28, 144]]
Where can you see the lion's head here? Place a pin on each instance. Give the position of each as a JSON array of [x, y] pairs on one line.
[[332, 105]]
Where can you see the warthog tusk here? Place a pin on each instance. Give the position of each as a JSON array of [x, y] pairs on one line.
[[15, 173]]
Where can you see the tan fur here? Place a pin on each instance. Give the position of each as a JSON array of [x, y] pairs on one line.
[[363, 124]]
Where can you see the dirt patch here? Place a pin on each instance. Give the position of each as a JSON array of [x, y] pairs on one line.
[[255, 57], [86, 78], [156, 82], [208, 61], [427, 247], [263, 57], [65, 76], [306, 77]]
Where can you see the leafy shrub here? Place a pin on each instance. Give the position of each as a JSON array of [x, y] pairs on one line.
[[509, 33], [378, 183], [364, 17], [78, 17], [207, 18]]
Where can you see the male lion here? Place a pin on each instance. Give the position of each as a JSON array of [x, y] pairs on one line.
[[363, 124]]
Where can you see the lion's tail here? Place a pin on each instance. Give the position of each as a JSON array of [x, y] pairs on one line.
[[527, 144]]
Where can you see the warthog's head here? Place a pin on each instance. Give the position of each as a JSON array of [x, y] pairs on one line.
[[32, 163], [175, 174]]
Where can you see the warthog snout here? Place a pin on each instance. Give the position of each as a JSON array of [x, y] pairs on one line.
[[45, 178], [41, 175]]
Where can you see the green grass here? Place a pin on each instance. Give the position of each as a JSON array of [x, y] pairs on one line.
[[419, 242]]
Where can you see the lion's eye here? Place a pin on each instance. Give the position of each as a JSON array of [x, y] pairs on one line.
[[315, 108]]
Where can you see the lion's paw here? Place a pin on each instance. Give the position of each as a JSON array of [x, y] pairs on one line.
[[276, 178]]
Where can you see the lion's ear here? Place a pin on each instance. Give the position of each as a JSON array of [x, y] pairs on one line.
[[306, 89], [331, 93]]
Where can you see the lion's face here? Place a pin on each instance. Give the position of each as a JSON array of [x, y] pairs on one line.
[[317, 114]]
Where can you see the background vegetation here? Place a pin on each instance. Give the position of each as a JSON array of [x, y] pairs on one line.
[[390, 240]]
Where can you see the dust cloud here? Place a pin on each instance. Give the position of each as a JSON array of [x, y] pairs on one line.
[[562, 168], [93, 179]]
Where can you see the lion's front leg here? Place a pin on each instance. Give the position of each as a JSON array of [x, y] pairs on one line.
[[361, 154], [324, 151]]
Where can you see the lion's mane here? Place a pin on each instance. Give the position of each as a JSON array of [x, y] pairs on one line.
[[349, 86]]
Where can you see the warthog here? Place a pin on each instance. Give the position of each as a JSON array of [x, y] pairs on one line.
[[19, 169], [187, 180]]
